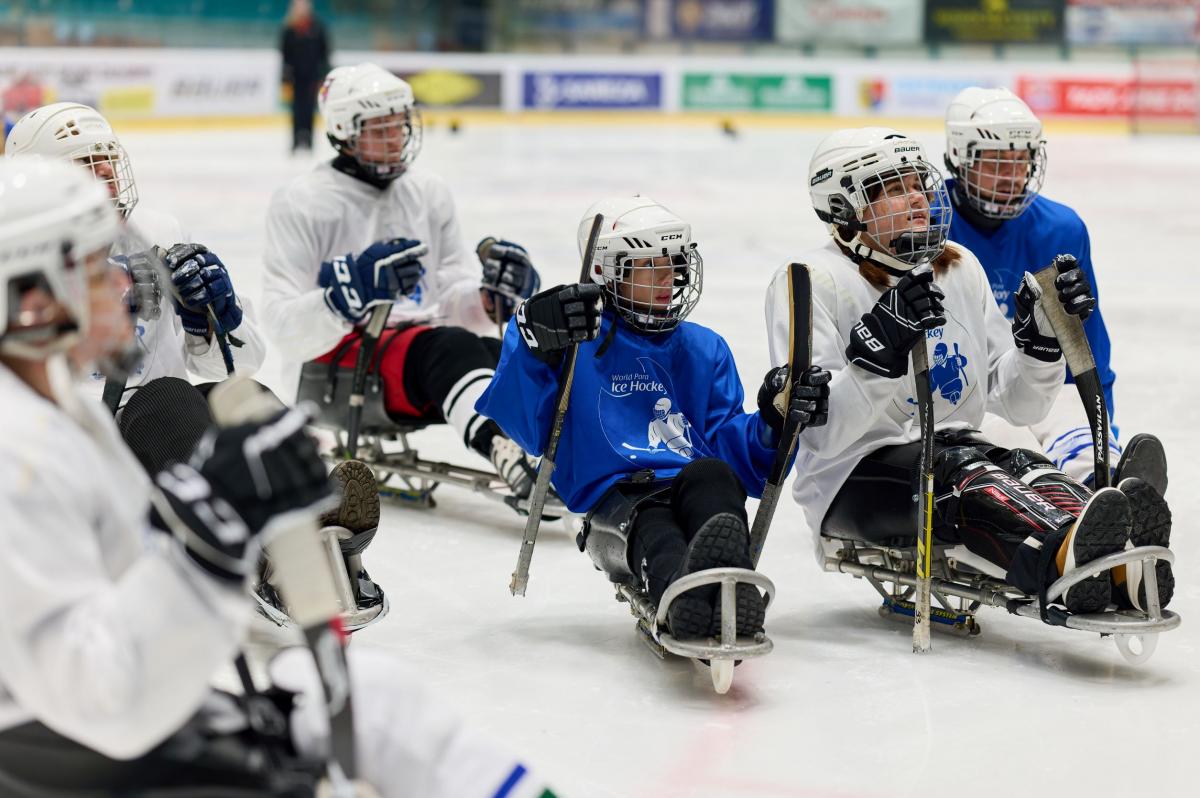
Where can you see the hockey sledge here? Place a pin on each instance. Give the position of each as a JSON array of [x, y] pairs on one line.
[[356, 608], [962, 582], [383, 444], [720, 653]]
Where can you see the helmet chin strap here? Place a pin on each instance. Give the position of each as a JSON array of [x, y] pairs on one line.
[[889, 263]]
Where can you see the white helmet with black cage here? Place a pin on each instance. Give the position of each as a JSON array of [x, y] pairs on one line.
[[881, 197], [53, 217], [646, 262], [368, 97], [76, 132], [995, 152]]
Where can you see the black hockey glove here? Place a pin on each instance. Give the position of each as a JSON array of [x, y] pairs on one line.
[[809, 404], [508, 277], [883, 337], [1031, 329], [210, 530], [264, 469], [240, 478], [558, 317], [1074, 290], [145, 292], [384, 272], [199, 281]]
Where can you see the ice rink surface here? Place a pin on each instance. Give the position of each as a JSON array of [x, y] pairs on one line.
[[841, 708]]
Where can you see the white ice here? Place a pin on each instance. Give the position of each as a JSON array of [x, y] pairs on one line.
[[841, 707]]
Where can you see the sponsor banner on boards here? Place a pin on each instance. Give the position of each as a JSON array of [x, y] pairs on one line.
[[726, 91], [1165, 98], [994, 21], [715, 20], [863, 23], [592, 90], [1158, 22]]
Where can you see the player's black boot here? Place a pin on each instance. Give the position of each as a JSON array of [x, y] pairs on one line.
[[721, 542], [1101, 529], [1143, 457], [1151, 526]]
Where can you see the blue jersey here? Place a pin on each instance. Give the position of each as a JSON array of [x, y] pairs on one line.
[[1028, 243], [638, 402]]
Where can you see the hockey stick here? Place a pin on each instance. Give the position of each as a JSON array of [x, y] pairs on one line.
[[1078, 353], [358, 388], [306, 582], [799, 359], [921, 606], [537, 499], [113, 391], [222, 341]]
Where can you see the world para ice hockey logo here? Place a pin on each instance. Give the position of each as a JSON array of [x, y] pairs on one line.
[[642, 421]]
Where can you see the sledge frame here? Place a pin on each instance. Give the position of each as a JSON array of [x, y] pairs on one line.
[[721, 653], [961, 589]]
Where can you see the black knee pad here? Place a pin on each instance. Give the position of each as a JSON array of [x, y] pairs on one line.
[[163, 421], [952, 462], [439, 358], [705, 488], [1020, 462], [707, 470]]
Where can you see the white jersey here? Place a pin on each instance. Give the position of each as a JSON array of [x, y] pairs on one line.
[[975, 368], [327, 214], [109, 633], [168, 351]]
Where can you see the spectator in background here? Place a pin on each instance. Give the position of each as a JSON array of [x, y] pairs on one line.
[[305, 51]]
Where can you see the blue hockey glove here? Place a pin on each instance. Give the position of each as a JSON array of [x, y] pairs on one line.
[[508, 277], [384, 272], [199, 280]]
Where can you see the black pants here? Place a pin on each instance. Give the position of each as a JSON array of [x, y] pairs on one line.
[[440, 361], [164, 419], [665, 524], [38, 762], [304, 105], [981, 502]]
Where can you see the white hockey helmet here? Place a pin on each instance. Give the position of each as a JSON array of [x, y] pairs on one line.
[[882, 199], [995, 151], [75, 132], [354, 95], [52, 217], [639, 229]]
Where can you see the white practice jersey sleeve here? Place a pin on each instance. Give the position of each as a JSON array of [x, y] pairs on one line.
[[168, 351], [408, 742], [327, 214], [974, 367], [109, 634]]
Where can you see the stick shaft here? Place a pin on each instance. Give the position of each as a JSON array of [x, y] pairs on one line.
[[366, 352], [799, 359], [222, 340], [537, 499], [1077, 351], [921, 628]]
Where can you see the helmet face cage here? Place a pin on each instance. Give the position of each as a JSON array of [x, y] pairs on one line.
[[906, 212], [1000, 184], [637, 287], [387, 145], [109, 164]]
